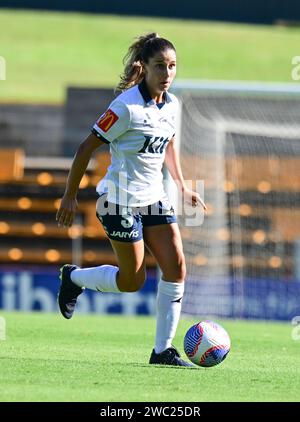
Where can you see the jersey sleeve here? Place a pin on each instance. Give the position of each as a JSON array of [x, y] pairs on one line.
[[113, 123], [176, 112]]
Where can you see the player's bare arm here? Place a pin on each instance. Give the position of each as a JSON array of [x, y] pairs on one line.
[[173, 165], [68, 206]]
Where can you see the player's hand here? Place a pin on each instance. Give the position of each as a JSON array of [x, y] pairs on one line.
[[66, 212], [193, 198]]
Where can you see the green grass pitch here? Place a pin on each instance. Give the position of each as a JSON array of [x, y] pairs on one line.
[[105, 359], [47, 51]]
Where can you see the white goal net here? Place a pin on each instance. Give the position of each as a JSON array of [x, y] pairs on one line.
[[243, 141]]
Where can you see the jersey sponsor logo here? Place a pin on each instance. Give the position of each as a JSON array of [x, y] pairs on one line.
[[154, 144], [125, 235], [108, 119]]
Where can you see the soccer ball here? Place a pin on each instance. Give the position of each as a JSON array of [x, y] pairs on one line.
[[206, 343]]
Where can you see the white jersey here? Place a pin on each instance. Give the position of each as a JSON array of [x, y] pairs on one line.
[[137, 131]]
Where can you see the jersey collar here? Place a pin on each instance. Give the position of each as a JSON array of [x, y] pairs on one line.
[[146, 96]]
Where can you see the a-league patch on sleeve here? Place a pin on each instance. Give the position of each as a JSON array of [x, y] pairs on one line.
[[107, 120]]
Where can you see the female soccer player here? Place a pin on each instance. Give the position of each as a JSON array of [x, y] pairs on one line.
[[139, 127]]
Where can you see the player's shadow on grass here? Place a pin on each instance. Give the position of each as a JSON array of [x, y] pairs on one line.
[[84, 363], [144, 365]]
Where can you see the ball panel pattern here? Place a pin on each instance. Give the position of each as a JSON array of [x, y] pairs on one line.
[[206, 343]]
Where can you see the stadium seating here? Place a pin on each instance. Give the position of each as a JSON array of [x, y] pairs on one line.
[[28, 207], [30, 198], [261, 192]]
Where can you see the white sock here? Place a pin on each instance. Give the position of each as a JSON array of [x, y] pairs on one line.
[[169, 297], [102, 279]]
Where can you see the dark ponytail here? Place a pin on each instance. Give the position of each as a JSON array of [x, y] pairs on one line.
[[145, 47]]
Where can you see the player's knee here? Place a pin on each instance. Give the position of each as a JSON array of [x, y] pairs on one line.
[[132, 288], [133, 282], [138, 281]]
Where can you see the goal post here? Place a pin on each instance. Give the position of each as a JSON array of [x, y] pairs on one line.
[[243, 141]]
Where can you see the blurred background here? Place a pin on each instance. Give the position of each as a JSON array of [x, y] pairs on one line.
[[239, 84]]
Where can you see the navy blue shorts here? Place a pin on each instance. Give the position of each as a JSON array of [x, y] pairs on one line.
[[125, 224]]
